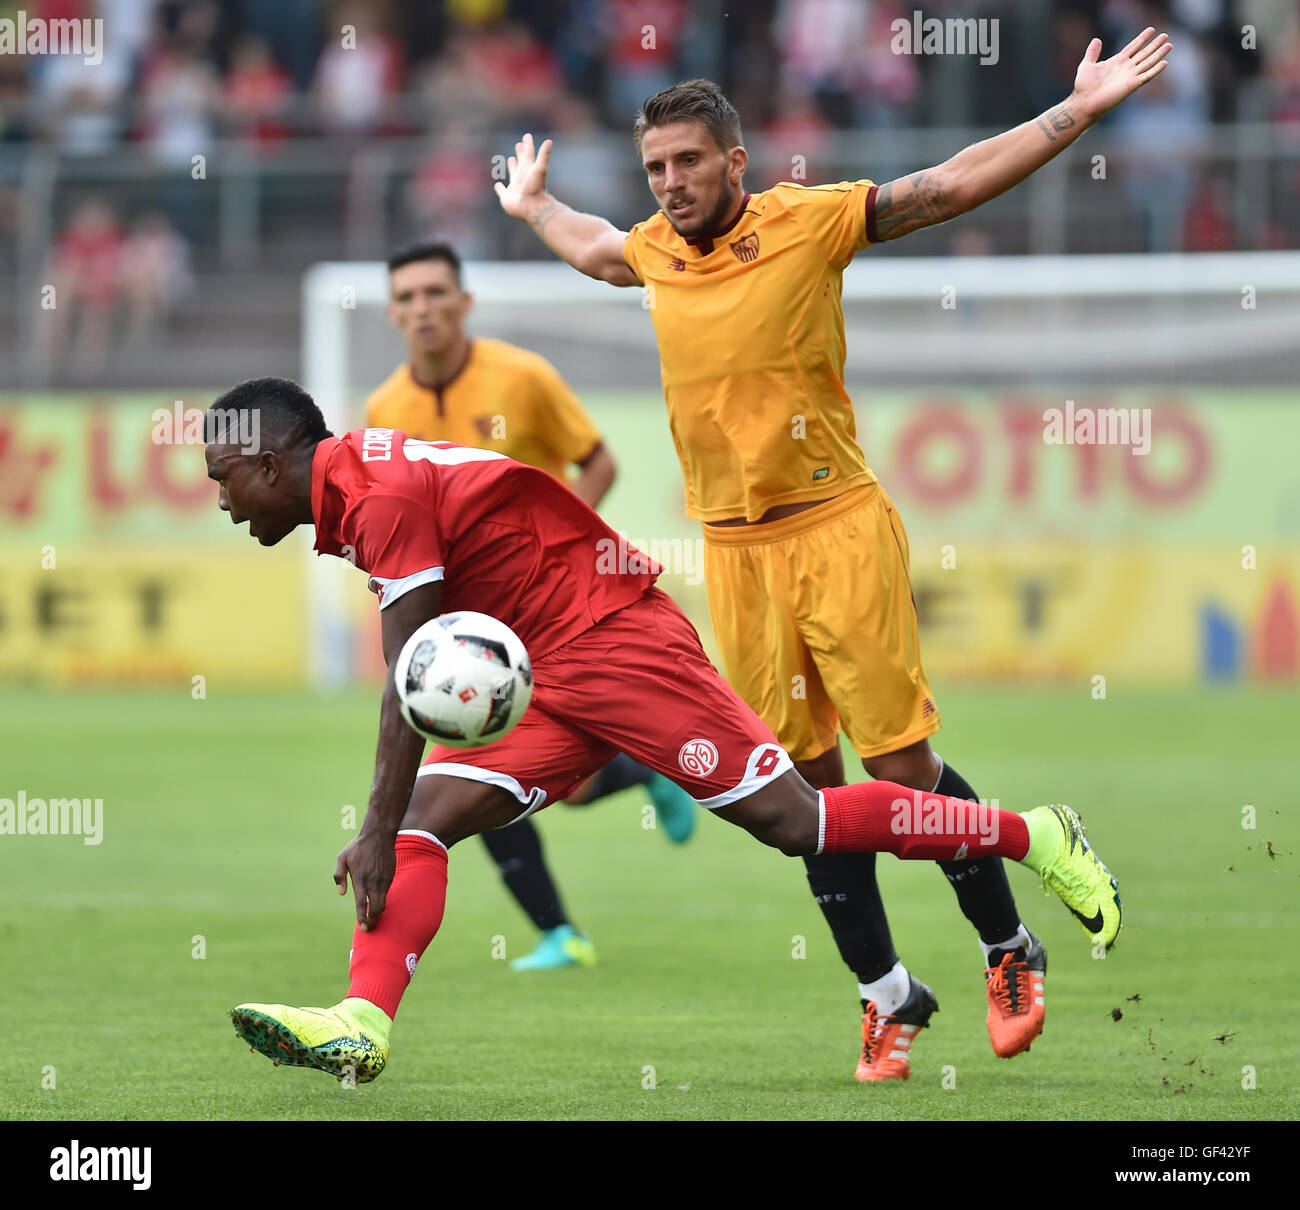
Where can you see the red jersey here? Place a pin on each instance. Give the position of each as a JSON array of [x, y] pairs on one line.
[[505, 539]]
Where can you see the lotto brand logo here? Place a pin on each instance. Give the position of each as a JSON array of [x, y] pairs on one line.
[[698, 757], [746, 249]]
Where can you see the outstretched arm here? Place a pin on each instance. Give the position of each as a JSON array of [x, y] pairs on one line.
[[984, 170], [590, 244]]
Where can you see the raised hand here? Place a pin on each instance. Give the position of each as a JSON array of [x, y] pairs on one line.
[[527, 180], [1101, 84]]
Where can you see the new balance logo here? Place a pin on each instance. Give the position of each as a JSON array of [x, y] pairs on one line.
[[677, 264], [746, 248], [927, 708]]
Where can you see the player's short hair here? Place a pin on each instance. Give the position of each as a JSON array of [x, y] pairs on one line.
[[699, 101], [287, 417], [426, 250]]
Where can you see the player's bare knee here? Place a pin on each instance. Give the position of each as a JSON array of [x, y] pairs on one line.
[[783, 816], [916, 766], [824, 770], [789, 835], [797, 837], [452, 808]]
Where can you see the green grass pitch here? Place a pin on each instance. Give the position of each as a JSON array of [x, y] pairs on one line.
[[222, 820]]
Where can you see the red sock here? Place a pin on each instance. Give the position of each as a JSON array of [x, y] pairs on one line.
[[383, 960], [884, 817]]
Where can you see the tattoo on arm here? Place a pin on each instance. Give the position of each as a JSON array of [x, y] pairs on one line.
[[542, 216], [1058, 120], [904, 206]]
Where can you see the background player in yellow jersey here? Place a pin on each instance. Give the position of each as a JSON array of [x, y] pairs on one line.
[[488, 393], [803, 545]]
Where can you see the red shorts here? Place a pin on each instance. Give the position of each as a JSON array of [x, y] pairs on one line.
[[638, 682]]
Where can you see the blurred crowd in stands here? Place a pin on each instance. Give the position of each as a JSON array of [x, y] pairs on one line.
[[113, 288], [178, 74], [185, 78]]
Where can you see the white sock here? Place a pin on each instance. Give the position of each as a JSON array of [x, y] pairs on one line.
[[889, 991], [1017, 939]]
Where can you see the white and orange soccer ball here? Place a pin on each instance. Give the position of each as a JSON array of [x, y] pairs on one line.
[[463, 679]]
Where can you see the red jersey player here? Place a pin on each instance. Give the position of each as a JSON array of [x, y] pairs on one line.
[[616, 666]]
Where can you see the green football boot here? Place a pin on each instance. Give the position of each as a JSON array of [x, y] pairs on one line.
[[329, 1039], [1062, 857]]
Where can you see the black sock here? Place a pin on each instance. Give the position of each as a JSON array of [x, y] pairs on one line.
[[619, 774], [517, 850], [844, 885], [981, 885]]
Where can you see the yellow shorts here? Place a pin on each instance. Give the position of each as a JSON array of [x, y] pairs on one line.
[[816, 625]]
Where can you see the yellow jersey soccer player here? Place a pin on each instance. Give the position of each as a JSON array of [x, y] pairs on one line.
[[803, 545], [488, 393]]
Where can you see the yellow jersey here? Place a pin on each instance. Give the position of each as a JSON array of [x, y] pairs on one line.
[[751, 348], [504, 398]]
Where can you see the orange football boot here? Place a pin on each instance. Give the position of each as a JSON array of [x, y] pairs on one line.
[[887, 1040], [1014, 987]]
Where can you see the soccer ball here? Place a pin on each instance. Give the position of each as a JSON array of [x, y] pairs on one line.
[[463, 679]]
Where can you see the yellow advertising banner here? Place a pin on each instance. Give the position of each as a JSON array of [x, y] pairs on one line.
[[1126, 612], [131, 615], [1144, 536], [116, 566]]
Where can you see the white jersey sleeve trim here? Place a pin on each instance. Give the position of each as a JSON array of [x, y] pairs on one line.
[[392, 590]]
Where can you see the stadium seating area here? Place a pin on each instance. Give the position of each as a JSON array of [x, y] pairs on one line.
[[334, 130]]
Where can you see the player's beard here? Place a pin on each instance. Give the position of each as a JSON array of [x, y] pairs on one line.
[[726, 199]]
